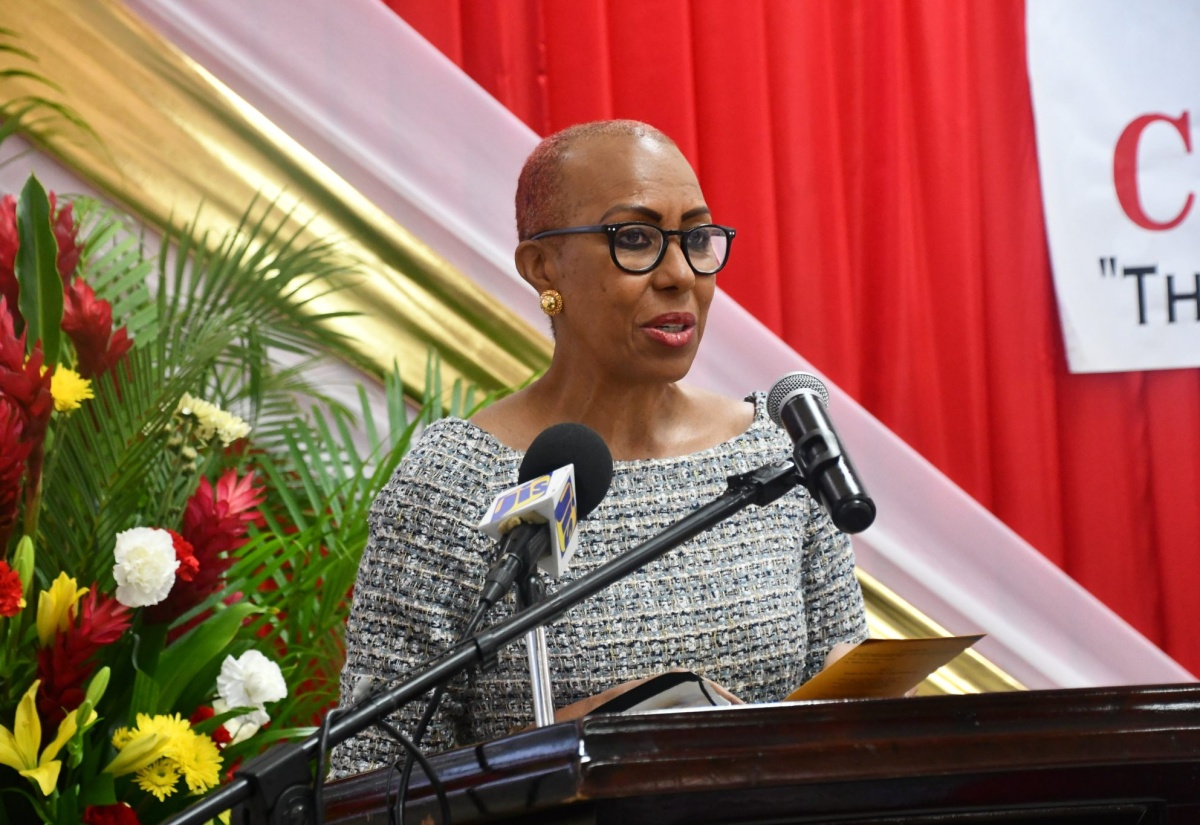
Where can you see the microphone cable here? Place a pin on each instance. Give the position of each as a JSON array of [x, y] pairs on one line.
[[412, 752], [435, 699]]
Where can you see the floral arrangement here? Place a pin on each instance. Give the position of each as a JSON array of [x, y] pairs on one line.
[[180, 518]]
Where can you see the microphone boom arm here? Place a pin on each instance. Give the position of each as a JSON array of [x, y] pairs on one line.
[[261, 782]]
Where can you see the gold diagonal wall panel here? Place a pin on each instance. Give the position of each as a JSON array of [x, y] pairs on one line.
[[890, 617], [173, 138]]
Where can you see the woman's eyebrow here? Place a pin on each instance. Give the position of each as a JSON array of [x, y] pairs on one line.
[[653, 214]]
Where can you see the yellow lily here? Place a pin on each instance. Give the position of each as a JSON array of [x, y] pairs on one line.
[[19, 746], [137, 753], [55, 607]]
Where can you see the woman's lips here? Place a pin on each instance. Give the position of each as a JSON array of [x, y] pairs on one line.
[[672, 329]]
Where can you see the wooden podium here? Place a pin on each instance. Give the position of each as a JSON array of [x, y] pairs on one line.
[[1109, 756]]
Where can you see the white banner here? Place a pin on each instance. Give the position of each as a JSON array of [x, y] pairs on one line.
[[1116, 101]]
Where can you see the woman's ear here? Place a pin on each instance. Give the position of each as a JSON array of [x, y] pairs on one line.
[[534, 265]]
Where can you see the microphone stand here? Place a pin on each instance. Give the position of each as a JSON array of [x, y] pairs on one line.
[[529, 592], [272, 788]]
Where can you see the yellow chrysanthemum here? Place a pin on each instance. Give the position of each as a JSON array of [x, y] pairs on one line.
[[152, 738], [171, 727], [69, 389], [56, 606], [140, 745], [160, 749], [158, 778], [122, 737], [199, 761]]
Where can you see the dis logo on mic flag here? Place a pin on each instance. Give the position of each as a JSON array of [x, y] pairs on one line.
[[548, 500]]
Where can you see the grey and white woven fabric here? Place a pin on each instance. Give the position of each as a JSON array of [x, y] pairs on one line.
[[754, 604]]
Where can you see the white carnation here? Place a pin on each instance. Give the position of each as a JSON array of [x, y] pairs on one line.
[[241, 727], [249, 681], [145, 566]]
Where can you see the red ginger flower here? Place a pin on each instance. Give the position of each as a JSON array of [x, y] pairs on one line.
[[9, 241], [26, 390], [12, 596], [118, 814], [215, 521], [87, 320], [66, 233], [13, 454], [65, 666], [185, 555], [22, 381]]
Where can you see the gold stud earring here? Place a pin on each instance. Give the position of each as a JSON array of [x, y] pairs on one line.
[[552, 302]]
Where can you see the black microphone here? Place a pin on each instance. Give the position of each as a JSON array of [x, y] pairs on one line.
[[798, 403], [528, 537]]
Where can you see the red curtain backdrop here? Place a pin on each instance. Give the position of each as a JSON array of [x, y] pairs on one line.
[[878, 161]]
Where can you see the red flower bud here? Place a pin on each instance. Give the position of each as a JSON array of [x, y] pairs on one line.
[[118, 814]]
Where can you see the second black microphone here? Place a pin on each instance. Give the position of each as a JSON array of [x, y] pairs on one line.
[[797, 403]]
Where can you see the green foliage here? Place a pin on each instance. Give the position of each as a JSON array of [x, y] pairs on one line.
[[30, 112], [118, 268], [213, 323], [321, 485], [233, 320], [41, 291], [212, 318]]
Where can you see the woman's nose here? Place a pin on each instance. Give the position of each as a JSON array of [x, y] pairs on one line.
[[674, 271]]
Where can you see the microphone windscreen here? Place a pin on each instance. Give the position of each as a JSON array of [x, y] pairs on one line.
[[789, 385], [576, 444]]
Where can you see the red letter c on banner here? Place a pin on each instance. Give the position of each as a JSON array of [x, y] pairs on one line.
[[1125, 170]]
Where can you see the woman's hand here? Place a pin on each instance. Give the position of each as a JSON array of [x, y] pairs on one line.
[[836, 652]]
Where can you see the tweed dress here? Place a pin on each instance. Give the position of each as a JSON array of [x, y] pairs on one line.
[[753, 604]]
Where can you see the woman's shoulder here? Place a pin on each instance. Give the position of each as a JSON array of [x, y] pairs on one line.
[[744, 420], [450, 457], [720, 406], [708, 421], [452, 441], [738, 434], [758, 442], [512, 421]]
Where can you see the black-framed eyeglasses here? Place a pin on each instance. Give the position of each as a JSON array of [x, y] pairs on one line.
[[638, 247]]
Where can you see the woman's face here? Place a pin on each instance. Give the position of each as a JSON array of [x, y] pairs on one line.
[[637, 328]]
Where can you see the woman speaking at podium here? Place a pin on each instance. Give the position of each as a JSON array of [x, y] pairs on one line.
[[623, 252]]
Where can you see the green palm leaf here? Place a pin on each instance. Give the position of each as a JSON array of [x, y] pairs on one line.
[[34, 113]]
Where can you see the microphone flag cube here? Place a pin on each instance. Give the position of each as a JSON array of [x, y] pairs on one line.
[[550, 500]]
